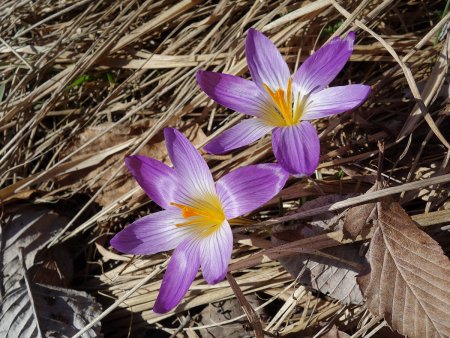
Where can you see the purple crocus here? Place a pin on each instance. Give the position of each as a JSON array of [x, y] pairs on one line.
[[282, 103], [195, 216]]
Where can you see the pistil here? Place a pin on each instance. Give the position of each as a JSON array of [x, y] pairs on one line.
[[208, 216], [283, 102]]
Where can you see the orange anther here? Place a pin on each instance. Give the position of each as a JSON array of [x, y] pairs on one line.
[[282, 102]]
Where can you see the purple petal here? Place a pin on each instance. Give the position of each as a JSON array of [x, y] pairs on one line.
[[157, 179], [233, 92], [246, 189], [324, 65], [180, 274], [215, 253], [297, 148], [335, 100], [240, 135], [193, 172], [151, 234], [265, 62]]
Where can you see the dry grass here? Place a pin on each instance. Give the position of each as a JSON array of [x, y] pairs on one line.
[[85, 83]]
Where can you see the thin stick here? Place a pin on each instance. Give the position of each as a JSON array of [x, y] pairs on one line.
[[251, 314]]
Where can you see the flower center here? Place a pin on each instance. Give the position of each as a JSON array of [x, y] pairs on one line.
[[207, 214], [288, 107]]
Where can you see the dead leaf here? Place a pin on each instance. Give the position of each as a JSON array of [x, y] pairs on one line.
[[55, 267], [31, 228], [60, 312], [333, 273], [34, 310], [409, 284], [361, 218], [225, 310]]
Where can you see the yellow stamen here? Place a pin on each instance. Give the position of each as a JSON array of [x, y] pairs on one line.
[[283, 102], [209, 215]]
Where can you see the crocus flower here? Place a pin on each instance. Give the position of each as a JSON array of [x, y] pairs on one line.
[[194, 221], [282, 103]]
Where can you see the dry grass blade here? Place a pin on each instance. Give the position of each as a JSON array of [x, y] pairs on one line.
[[297, 14], [408, 74], [408, 284], [86, 83], [432, 87], [166, 16], [286, 310], [121, 299]]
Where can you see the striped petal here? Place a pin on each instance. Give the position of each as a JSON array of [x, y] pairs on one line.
[[151, 234], [158, 180], [297, 148], [215, 253], [180, 274], [234, 92], [324, 65], [335, 100], [265, 62], [247, 188], [242, 134], [193, 172]]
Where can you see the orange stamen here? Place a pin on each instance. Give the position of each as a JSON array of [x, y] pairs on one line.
[[282, 102], [202, 216]]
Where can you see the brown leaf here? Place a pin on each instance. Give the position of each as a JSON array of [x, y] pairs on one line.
[[34, 310], [360, 219], [56, 312], [409, 283], [334, 271], [223, 311], [55, 267], [30, 228]]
